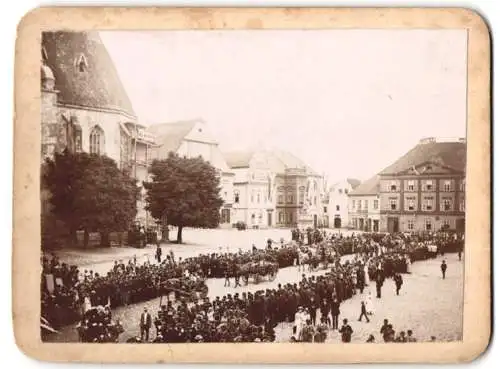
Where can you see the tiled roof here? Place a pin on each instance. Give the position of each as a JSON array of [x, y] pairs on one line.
[[169, 136], [448, 154], [369, 187], [98, 86], [238, 159]]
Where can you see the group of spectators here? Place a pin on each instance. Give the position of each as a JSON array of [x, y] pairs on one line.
[[68, 292]]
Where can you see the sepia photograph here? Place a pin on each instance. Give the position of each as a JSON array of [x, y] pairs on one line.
[[253, 186]]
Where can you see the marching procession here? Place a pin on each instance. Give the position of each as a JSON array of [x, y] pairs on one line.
[[186, 313]]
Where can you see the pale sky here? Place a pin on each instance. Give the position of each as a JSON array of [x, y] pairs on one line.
[[347, 102]]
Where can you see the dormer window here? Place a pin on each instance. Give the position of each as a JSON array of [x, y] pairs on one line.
[[82, 64]]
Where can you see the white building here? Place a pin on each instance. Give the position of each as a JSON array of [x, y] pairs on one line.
[[254, 189], [192, 139], [337, 206], [364, 206]]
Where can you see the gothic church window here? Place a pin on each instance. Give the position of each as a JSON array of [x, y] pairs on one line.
[[82, 64], [97, 141]]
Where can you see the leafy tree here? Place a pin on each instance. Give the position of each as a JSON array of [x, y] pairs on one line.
[[90, 192], [185, 191]]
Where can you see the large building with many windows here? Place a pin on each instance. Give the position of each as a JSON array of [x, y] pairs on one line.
[[424, 190], [275, 188]]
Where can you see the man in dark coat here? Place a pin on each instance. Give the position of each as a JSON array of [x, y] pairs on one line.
[[443, 268], [335, 309], [398, 280], [346, 332], [145, 325]]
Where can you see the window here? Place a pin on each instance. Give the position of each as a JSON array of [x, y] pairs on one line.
[[251, 197], [290, 218], [428, 203], [315, 186], [340, 191], [428, 185], [428, 225], [359, 204], [447, 186], [325, 209], [462, 205], [258, 198], [280, 217], [280, 199], [410, 201], [236, 197], [411, 224], [82, 64], [446, 224], [290, 199], [446, 204], [411, 185], [97, 141], [393, 186], [337, 207], [301, 195], [44, 54], [353, 204], [375, 204], [462, 185], [365, 205], [393, 204], [315, 200], [346, 191]]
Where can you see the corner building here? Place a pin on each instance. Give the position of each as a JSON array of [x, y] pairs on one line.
[[425, 189]]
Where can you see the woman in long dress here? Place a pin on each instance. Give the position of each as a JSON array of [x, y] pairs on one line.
[[369, 304], [367, 276]]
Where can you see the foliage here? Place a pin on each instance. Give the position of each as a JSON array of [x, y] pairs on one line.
[[90, 192], [185, 191]]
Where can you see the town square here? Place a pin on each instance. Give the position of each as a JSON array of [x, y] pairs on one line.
[[159, 230]]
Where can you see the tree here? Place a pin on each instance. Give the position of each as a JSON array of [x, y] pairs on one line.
[[185, 191], [90, 192]]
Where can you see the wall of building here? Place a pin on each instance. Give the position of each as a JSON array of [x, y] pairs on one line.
[[338, 204], [424, 202], [364, 213]]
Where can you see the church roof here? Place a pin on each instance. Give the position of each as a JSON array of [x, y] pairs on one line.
[[85, 74], [169, 136], [369, 187], [447, 154]]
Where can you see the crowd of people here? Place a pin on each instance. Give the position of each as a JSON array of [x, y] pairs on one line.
[[67, 293]]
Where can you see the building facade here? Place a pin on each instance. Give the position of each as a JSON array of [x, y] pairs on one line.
[[425, 189], [364, 206], [337, 203], [192, 139], [274, 188]]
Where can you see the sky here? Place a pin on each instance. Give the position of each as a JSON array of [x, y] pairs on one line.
[[346, 102]]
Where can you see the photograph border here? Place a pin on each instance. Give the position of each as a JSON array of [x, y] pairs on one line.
[[26, 204]]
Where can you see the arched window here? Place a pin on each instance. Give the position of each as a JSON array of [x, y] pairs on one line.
[[97, 141]]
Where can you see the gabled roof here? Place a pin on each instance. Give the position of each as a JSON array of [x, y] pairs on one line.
[[353, 182], [290, 161], [238, 159], [369, 187], [97, 85], [169, 136], [447, 154]]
